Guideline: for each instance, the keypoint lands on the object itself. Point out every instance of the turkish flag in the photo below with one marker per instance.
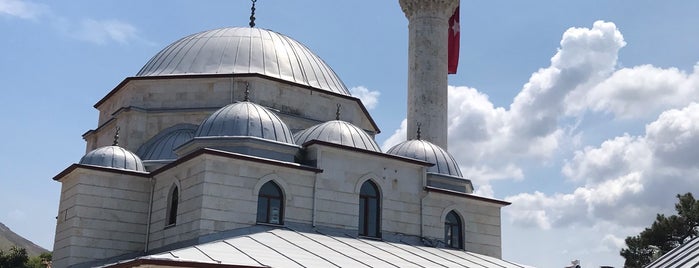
(454, 36)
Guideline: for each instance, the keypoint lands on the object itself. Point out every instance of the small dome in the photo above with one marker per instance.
(161, 146)
(339, 132)
(113, 157)
(426, 151)
(244, 50)
(245, 119)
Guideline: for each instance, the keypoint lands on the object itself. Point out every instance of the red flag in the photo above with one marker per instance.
(454, 36)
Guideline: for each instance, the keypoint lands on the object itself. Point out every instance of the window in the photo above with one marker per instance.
(452, 231)
(369, 210)
(270, 204)
(174, 199)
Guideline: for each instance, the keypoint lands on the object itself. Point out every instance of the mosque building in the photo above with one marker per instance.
(239, 147)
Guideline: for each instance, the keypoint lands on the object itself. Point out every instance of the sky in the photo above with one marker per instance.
(583, 114)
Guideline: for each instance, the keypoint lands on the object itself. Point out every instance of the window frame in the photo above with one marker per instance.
(268, 204)
(365, 211)
(449, 228)
(173, 202)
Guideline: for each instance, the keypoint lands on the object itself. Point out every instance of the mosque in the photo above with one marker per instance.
(239, 147)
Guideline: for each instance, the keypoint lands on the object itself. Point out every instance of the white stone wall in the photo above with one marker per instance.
(189, 178)
(219, 194)
(402, 188)
(481, 220)
(101, 215)
(343, 174)
(166, 99)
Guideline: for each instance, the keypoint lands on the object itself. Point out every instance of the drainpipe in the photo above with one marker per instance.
(150, 212)
(315, 190)
(422, 200)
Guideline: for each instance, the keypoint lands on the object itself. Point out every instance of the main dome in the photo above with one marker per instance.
(244, 50)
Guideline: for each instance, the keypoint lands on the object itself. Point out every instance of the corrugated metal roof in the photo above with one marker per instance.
(290, 248)
(684, 256)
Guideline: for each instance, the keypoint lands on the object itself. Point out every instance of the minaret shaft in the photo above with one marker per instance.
(427, 67)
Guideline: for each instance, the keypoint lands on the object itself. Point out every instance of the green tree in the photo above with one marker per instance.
(39, 261)
(15, 258)
(665, 234)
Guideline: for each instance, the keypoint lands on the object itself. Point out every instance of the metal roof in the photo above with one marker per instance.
(290, 248)
(244, 50)
(339, 132)
(245, 119)
(684, 256)
(113, 157)
(162, 145)
(444, 162)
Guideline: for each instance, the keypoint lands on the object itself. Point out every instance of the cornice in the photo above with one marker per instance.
(431, 8)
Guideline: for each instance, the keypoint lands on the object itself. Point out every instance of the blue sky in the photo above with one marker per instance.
(582, 113)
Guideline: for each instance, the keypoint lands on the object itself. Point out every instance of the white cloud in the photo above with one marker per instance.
(615, 186)
(397, 137)
(627, 179)
(489, 142)
(369, 98)
(22, 9)
(103, 31)
(638, 92)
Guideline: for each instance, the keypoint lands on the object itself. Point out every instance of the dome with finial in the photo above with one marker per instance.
(245, 119)
(245, 50)
(339, 132)
(444, 163)
(113, 157)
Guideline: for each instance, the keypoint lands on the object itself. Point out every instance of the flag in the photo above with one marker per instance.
(454, 36)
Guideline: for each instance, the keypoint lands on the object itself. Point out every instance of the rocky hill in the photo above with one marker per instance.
(8, 238)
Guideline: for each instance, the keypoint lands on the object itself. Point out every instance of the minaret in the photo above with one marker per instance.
(428, 24)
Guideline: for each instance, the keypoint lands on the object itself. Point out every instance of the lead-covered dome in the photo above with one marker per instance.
(245, 119)
(244, 50)
(426, 151)
(162, 146)
(113, 157)
(339, 132)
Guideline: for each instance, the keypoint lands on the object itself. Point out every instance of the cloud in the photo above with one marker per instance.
(609, 189)
(397, 137)
(369, 98)
(491, 142)
(638, 92)
(103, 31)
(627, 179)
(22, 9)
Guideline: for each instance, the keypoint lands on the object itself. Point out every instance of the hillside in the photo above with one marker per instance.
(8, 238)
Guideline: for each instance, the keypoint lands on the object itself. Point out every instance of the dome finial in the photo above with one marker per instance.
(418, 130)
(247, 92)
(116, 137)
(337, 113)
(252, 14)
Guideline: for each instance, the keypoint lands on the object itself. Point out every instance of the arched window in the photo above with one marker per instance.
(369, 210)
(453, 231)
(270, 204)
(173, 201)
